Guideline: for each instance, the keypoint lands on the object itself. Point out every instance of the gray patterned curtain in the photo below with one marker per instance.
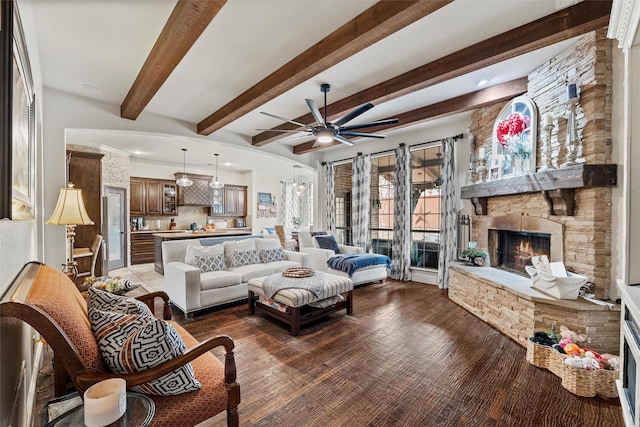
(289, 206)
(330, 196)
(447, 214)
(306, 206)
(401, 249)
(360, 203)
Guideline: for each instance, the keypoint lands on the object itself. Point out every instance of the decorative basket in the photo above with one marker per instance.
(579, 381)
(556, 363)
(298, 272)
(538, 354)
(606, 383)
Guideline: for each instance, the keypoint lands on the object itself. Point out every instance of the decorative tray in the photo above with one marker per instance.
(298, 272)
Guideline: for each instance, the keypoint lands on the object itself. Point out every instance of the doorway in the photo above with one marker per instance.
(116, 223)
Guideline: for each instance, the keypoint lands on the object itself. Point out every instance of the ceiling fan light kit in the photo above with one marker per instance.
(184, 181)
(326, 132)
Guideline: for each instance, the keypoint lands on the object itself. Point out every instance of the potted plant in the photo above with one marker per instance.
(474, 256)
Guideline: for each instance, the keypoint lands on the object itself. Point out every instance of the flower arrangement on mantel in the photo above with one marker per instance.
(512, 137)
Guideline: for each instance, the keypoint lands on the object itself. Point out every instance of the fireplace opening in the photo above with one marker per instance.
(512, 250)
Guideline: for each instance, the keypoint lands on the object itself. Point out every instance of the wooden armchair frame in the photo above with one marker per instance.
(69, 363)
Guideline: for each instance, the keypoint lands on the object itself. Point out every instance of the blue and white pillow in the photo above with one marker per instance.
(209, 263)
(271, 255)
(240, 258)
(328, 242)
(131, 343)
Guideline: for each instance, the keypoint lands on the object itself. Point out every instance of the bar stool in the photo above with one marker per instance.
(92, 252)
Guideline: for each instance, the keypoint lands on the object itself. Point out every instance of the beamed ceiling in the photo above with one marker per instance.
(218, 64)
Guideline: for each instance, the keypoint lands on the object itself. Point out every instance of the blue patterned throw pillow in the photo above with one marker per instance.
(328, 242)
(209, 263)
(241, 258)
(271, 255)
(131, 343)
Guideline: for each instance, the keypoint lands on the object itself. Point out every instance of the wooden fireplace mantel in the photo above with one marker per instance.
(557, 186)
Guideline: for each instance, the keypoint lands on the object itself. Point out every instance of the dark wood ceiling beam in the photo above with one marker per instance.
(562, 25)
(186, 23)
(459, 104)
(379, 21)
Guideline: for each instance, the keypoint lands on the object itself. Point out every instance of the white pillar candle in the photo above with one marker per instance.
(548, 120)
(105, 402)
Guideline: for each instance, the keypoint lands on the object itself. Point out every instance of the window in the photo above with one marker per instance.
(342, 175)
(382, 203)
(425, 206)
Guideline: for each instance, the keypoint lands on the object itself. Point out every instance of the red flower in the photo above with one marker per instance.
(513, 125)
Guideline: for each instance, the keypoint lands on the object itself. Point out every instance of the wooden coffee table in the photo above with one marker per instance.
(298, 312)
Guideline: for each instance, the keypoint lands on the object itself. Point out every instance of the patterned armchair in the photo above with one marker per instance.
(46, 299)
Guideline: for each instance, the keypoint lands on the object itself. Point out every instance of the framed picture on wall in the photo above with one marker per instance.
(264, 199)
(19, 116)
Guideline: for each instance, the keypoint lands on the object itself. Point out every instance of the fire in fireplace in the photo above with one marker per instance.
(512, 250)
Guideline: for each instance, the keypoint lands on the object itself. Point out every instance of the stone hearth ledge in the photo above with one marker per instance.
(507, 302)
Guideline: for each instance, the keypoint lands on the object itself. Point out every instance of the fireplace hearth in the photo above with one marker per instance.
(512, 250)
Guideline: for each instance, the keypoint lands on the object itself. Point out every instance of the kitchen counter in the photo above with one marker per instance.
(161, 236)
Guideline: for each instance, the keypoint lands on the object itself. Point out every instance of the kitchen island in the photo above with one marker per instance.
(160, 237)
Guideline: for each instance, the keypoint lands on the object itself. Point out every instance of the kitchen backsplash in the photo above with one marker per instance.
(186, 216)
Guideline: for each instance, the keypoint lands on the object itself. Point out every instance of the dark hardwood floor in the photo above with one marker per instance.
(407, 357)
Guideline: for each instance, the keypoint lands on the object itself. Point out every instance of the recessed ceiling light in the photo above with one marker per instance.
(137, 153)
(483, 81)
(90, 86)
(227, 164)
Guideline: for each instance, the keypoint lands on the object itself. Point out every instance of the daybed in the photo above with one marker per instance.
(319, 256)
(191, 288)
(47, 299)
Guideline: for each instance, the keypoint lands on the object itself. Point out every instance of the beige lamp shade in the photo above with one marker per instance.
(70, 208)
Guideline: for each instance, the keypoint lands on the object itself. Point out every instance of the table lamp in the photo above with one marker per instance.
(70, 211)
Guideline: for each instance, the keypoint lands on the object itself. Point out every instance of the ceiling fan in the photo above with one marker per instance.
(326, 132)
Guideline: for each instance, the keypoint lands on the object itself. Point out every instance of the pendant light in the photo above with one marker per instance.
(297, 179)
(184, 181)
(216, 183)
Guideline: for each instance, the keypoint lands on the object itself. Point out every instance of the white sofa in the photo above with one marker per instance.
(318, 260)
(191, 290)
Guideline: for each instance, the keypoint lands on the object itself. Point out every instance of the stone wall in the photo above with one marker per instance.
(587, 234)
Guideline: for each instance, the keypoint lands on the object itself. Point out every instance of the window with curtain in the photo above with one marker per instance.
(343, 173)
(382, 203)
(425, 205)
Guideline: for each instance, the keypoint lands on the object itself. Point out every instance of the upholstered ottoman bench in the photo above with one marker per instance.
(296, 306)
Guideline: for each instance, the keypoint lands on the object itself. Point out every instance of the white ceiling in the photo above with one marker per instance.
(89, 44)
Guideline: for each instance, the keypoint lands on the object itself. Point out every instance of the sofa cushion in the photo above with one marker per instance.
(132, 343)
(203, 251)
(271, 255)
(210, 263)
(219, 279)
(240, 258)
(305, 240)
(278, 266)
(106, 301)
(268, 243)
(249, 272)
(230, 246)
(328, 242)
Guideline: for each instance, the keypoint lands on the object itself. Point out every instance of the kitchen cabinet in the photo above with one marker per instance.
(217, 202)
(142, 247)
(235, 200)
(152, 197)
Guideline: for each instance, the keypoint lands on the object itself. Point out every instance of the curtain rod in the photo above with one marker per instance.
(455, 138)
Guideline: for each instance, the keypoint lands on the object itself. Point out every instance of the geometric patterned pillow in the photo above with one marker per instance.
(131, 343)
(270, 255)
(106, 301)
(209, 263)
(241, 258)
(328, 242)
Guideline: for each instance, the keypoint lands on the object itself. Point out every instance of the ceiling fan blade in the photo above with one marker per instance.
(368, 125)
(315, 112)
(282, 118)
(286, 130)
(352, 115)
(344, 140)
(365, 135)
